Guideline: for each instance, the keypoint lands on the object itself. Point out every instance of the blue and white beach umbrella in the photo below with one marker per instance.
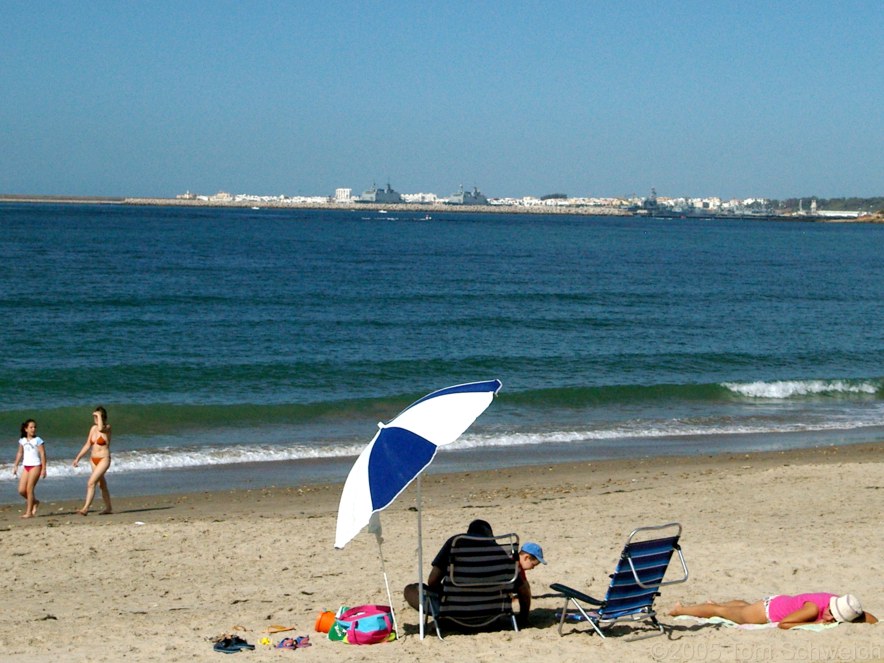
(403, 448)
(399, 452)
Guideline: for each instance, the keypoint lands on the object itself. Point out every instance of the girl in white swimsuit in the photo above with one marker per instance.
(32, 456)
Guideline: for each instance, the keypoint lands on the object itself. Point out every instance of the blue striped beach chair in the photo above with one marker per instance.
(634, 585)
(480, 582)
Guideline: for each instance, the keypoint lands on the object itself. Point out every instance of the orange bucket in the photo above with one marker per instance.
(325, 621)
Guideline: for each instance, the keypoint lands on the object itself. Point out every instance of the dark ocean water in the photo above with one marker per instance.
(247, 347)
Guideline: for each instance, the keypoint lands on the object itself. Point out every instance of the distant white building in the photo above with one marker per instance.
(419, 198)
(343, 196)
(308, 200)
(842, 214)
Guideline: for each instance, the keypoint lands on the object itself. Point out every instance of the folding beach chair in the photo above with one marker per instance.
(634, 585)
(480, 582)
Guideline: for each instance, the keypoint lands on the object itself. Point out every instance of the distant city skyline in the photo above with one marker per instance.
(641, 205)
(348, 194)
(694, 98)
(430, 197)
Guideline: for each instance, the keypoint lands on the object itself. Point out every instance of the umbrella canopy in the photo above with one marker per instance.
(403, 448)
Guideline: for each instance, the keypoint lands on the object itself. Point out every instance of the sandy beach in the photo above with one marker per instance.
(162, 576)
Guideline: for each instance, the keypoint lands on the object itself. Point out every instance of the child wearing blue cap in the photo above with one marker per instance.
(530, 556)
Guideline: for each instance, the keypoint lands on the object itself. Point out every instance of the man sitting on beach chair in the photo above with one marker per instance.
(439, 578)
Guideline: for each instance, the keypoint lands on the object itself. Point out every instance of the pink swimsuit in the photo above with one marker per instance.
(781, 606)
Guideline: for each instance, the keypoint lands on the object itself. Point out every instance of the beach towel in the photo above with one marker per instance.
(753, 627)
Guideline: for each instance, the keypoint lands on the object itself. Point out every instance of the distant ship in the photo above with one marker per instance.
(375, 195)
(474, 197)
(650, 206)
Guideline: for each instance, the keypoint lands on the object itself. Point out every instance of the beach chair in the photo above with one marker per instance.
(634, 585)
(479, 584)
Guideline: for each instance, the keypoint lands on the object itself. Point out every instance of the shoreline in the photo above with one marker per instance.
(422, 208)
(323, 496)
(333, 470)
(165, 575)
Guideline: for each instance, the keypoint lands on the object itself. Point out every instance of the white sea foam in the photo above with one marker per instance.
(673, 428)
(782, 389)
(170, 458)
(162, 458)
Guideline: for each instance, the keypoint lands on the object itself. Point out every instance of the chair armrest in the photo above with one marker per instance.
(574, 594)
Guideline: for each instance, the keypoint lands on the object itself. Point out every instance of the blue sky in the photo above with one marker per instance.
(775, 99)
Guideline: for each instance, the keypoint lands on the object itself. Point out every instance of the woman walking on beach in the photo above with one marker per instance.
(99, 442)
(32, 457)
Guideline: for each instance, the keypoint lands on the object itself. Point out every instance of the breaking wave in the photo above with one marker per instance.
(782, 389)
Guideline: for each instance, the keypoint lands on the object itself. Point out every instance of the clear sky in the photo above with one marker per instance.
(701, 98)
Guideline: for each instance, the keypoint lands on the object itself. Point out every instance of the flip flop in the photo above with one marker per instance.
(294, 643)
(239, 643)
(286, 643)
(226, 646)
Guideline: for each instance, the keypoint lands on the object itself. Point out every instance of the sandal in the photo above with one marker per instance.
(226, 646)
(287, 643)
(239, 643)
(294, 643)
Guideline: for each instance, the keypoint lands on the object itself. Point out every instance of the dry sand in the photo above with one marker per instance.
(162, 576)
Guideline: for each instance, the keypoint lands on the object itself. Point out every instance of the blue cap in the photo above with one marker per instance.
(534, 549)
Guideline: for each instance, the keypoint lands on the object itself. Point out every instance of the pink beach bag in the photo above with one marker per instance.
(366, 624)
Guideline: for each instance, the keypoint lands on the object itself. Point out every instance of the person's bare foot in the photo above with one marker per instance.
(26, 515)
(34, 509)
(106, 512)
(82, 512)
(676, 609)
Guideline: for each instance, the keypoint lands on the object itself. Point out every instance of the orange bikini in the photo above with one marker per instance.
(101, 442)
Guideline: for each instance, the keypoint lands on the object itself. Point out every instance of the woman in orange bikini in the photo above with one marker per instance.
(99, 442)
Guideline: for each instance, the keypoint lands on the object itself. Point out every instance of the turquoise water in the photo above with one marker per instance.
(240, 348)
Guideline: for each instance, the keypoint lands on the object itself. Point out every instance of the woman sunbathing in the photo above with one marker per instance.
(786, 611)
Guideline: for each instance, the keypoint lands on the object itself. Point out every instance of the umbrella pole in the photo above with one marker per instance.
(387, 584)
(420, 561)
